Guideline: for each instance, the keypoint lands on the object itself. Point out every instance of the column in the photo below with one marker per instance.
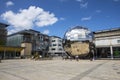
(15, 54)
(96, 56)
(4, 54)
(111, 51)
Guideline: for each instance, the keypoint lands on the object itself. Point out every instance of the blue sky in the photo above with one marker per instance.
(54, 17)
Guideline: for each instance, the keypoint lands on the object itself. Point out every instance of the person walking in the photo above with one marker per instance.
(77, 58)
(92, 55)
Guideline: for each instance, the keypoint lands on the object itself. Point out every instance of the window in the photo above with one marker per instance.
(60, 40)
(54, 44)
(53, 49)
(60, 49)
(118, 41)
(41, 38)
(59, 45)
(53, 40)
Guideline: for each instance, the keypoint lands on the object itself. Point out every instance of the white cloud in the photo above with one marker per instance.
(86, 18)
(12, 31)
(83, 3)
(9, 3)
(98, 11)
(79, 0)
(46, 32)
(28, 18)
(116, 0)
(62, 19)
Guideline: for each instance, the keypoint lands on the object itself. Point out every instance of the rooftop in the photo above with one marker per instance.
(107, 30)
(30, 31)
(3, 24)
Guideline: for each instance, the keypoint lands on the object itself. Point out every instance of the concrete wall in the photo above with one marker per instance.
(27, 50)
(107, 41)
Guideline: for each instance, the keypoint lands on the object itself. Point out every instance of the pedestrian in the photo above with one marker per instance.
(91, 55)
(77, 57)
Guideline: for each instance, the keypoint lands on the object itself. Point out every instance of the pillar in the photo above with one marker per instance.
(15, 54)
(4, 54)
(28, 49)
(111, 51)
(96, 56)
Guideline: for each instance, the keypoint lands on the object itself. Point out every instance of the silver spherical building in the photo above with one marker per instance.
(78, 33)
(78, 41)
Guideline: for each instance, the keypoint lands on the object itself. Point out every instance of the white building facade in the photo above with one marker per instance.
(108, 43)
(55, 46)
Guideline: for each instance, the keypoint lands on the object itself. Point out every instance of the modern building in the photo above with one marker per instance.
(32, 40)
(107, 43)
(55, 47)
(3, 33)
(7, 51)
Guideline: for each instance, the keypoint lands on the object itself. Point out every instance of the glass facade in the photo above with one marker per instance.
(40, 42)
(15, 40)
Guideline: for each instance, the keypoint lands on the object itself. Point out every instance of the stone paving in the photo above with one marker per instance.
(26, 69)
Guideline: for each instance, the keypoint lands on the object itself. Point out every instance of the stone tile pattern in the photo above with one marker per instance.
(26, 69)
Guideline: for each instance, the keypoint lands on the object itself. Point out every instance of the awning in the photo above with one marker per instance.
(11, 48)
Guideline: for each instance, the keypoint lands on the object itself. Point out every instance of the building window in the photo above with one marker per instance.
(60, 40)
(54, 44)
(53, 49)
(53, 40)
(41, 38)
(60, 49)
(59, 45)
(118, 41)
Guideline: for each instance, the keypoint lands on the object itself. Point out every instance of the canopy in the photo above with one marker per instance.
(11, 48)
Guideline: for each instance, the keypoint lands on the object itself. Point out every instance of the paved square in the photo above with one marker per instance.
(59, 70)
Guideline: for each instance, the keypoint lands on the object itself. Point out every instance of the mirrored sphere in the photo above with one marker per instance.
(78, 33)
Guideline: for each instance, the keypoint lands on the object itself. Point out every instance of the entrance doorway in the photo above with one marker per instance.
(104, 52)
